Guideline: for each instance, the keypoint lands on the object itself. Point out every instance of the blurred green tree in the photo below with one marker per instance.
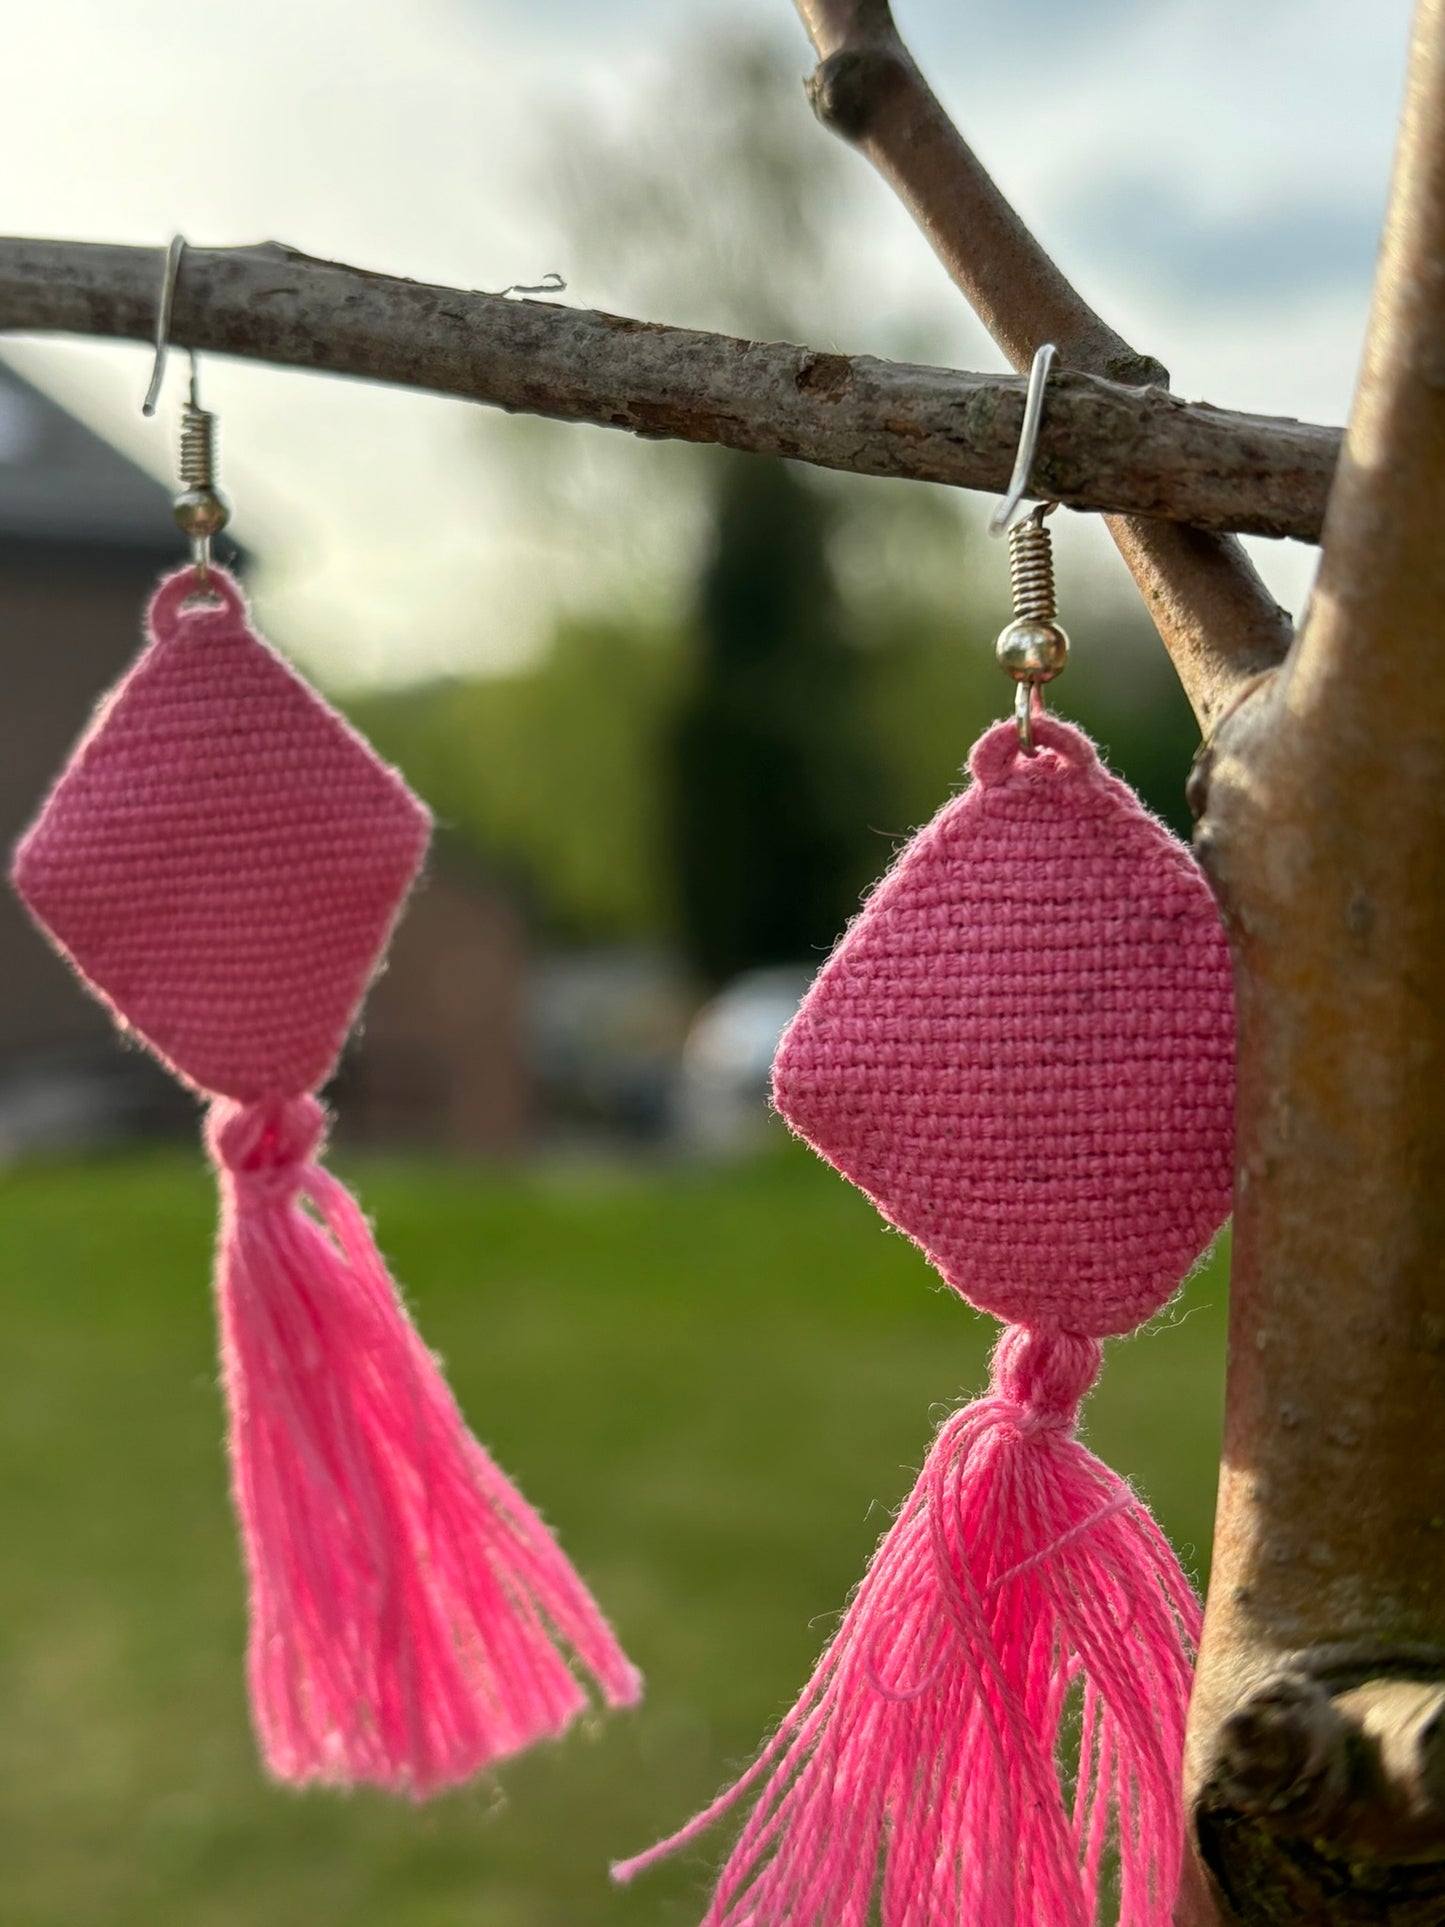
(551, 773)
(771, 782)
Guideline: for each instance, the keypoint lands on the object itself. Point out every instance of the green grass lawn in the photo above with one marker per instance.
(715, 1383)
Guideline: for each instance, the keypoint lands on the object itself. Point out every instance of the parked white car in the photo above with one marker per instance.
(728, 1057)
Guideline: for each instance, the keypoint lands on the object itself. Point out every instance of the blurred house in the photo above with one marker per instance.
(83, 535)
(442, 1055)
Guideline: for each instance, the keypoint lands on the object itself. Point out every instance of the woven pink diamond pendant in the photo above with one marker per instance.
(222, 862)
(224, 857)
(1022, 1051)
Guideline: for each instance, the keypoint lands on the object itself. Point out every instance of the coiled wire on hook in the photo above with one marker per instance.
(1031, 567)
(198, 447)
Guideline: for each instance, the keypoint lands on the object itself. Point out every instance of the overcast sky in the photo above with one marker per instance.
(1211, 171)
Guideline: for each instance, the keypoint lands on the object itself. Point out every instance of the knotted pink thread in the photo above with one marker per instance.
(264, 1147)
(1045, 1374)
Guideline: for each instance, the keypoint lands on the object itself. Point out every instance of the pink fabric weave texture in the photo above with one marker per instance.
(224, 857)
(223, 860)
(1023, 1049)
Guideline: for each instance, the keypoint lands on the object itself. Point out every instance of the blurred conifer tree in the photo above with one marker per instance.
(772, 782)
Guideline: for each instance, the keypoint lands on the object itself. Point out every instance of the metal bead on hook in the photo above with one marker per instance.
(200, 509)
(1033, 648)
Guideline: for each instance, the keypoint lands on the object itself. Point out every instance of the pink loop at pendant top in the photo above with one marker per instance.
(1023, 1048)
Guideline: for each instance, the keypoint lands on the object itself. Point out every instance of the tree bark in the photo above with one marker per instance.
(1318, 1727)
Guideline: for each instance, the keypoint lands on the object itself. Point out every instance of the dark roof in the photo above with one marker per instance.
(61, 482)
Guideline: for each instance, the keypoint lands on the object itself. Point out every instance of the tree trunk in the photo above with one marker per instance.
(1318, 1726)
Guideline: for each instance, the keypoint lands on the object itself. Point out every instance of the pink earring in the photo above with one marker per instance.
(1022, 1052)
(222, 861)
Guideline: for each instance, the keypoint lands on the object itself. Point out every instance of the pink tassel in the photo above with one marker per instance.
(405, 1597)
(920, 1779)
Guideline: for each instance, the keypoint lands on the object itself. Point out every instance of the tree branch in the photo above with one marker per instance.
(1218, 621)
(1104, 446)
(1325, 834)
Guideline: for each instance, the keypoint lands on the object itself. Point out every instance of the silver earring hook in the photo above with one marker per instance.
(1028, 447)
(201, 511)
(164, 307)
